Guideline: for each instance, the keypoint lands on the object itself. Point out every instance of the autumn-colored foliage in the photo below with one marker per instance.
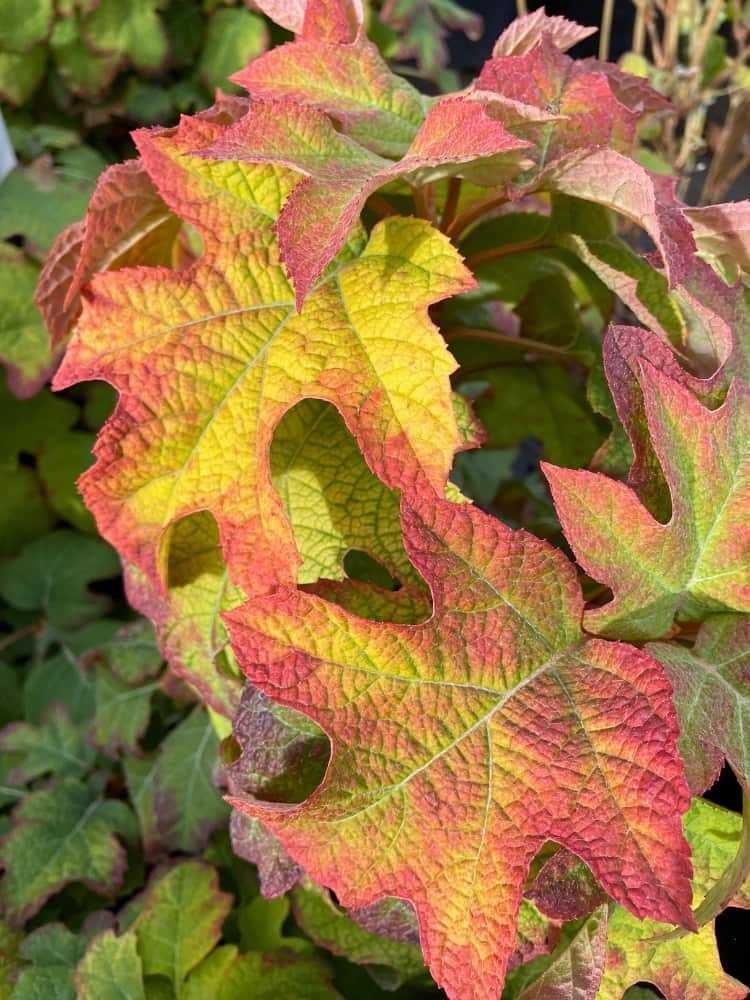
(298, 295)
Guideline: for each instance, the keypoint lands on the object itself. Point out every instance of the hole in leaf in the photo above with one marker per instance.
(361, 566)
(345, 521)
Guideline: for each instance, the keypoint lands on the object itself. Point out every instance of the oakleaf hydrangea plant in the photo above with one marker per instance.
(332, 311)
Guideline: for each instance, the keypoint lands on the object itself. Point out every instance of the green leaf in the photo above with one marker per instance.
(60, 464)
(233, 37)
(181, 921)
(10, 963)
(24, 23)
(134, 29)
(122, 712)
(24, 345)
(542, 401)
(225, 975)
(261, 923)
(60, 835)
(37, 202)
(52, 574)
(110, 969)
(84, 73)
(57, 746)
(140, 775)
(60, 678)
(188, 804)
(331, 928)
(20, 75)
(132, 653)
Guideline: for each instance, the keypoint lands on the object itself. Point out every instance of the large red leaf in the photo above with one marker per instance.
(461, 745)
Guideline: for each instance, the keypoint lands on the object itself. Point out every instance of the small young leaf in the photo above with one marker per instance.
(181, 920)
(52, 575)
(110, 969)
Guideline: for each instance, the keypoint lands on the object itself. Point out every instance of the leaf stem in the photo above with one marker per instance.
(476, 211)
(380, 206)
(21, 633)
(504, 251)
(451, 203)
(424, 202)
(730, 883)
(520, 343)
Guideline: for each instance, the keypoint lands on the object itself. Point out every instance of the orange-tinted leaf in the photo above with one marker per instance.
(208, 359)
(340, 174)
(695, 564)
(545, 78)
(352, 83)
(527, 31)
(461, 745)
(712, 696)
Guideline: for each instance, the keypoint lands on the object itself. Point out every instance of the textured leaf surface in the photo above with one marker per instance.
(60, 835)
(340, 174)
(688, 967)
(525, 32)
(697, 562)
(575, 969)
(565, 889)
(57, 746)
(352, 83)
(181, 921)
(247, 357)
(711, 685)
(334, 930)
(110, 969)
(588, 112)
(126, 223)
(431, 725)
(188, 805)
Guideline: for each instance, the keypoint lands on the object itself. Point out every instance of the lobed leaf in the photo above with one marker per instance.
(110, 969)
(432, 728)
(340, 174)
(248, 357)
(683, 967)
(181, 920)
(61, 834)
(696, 563)
(711, 685)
